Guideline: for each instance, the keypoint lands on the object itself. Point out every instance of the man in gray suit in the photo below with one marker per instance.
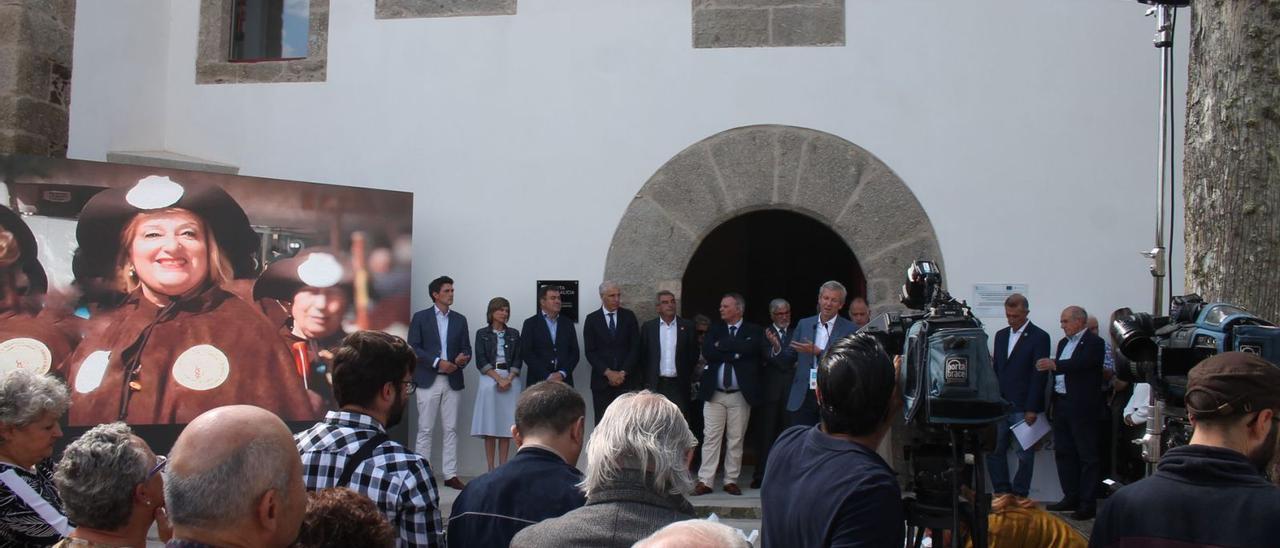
(813, 335)
(440, 338)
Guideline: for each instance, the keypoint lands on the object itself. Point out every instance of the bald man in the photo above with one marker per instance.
(234, 479)
(1076, 403)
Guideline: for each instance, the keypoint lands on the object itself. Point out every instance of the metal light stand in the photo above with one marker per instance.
(1163, 12)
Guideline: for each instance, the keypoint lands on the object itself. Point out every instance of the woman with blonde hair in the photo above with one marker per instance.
(180, 343)
(498, 358)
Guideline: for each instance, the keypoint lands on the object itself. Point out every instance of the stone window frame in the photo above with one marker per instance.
(213, 50)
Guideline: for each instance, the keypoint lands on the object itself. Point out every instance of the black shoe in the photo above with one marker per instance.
(755, 483)
(1084, 514)
(1063, 505)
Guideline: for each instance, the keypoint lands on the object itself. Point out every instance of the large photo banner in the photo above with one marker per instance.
(158, 294)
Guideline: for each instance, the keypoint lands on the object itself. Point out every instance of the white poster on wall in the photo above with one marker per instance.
(988, 299)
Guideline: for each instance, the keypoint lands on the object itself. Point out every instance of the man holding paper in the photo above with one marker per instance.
(1017, 348)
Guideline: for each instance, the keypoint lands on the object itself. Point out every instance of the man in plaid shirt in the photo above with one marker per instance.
(371, 382)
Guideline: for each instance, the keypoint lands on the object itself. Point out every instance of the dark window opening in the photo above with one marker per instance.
(766, 255)
(269, 30)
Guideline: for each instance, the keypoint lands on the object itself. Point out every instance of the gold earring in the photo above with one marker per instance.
(132, 274)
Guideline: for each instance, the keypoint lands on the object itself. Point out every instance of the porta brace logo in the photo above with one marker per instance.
(957, 370)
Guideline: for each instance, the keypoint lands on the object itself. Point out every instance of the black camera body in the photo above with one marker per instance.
(946, 375)
(1162, 350)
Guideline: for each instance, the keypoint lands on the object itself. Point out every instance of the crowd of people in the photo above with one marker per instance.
(823, 398)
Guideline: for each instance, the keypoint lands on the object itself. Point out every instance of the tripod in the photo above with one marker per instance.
(939, 509)
(1166, 18)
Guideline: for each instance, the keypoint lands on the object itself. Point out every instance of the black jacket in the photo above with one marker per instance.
(651, 352)
(617, 351)
(543, 356)
(534, 485)
(1199, 496)
(743, 352)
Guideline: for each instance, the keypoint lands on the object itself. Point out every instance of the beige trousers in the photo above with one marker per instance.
(725, 417)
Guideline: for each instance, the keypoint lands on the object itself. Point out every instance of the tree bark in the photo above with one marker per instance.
(1232, 170)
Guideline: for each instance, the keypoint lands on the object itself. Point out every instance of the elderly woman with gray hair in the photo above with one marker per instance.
(112, 488)
(30, 510)
(637, 475)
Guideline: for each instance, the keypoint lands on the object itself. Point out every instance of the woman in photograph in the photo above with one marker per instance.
(498, 358)
(29, 338)
(179, 343)
(31, 406)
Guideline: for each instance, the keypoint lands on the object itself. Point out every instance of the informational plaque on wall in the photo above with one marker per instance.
(568, 297)
(988, 299)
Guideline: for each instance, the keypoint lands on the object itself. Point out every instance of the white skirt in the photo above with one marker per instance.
(495, 411)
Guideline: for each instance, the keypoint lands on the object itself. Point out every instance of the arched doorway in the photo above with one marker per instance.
(816, 175)
(765, 255)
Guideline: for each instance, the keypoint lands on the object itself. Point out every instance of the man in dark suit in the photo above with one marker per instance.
(612, 339)
(813, 335)
(440, 338)
(669, 351)
(779, 368)
(549, 346)
(1017, 349)
(1076, 400)
(730, 387)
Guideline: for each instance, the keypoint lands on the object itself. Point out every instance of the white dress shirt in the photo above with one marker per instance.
(442, 327)
(1060, 379)
(1014, 336)
(667, 342)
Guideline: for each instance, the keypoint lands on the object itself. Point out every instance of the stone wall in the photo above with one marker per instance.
(767, 23)
(403, 9)
(35, 75)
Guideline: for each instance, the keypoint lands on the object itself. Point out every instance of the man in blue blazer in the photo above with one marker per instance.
(813, 335)
(1077, 374)
(730, 388)
(440, 338)
(611, 336)
(549, 346)
(1016, 351)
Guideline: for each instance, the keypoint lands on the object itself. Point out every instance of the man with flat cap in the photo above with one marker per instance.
(234, 478)
(1211, 492)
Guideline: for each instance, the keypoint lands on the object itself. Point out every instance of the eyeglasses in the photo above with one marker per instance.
(161, 460)
(409, 387)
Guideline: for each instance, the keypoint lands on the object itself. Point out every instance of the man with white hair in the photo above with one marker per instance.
(695, 532)
(637, 473)
(611, 339)
(234, 478)
(812, 337)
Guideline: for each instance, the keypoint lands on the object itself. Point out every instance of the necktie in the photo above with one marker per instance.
(613, 328)
(728, 371)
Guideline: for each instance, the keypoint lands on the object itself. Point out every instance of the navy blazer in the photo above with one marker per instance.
(651, 352)
(807, 331)
(779, 368)
(543, 356)
(1020, 383)
(1083, 373)
(424, 337)
(618, 350)
(534, 485)
(743, 353)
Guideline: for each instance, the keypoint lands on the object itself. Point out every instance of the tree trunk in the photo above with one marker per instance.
(1232, 169)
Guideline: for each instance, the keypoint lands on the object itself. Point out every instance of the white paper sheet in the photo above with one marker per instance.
(1028, 435)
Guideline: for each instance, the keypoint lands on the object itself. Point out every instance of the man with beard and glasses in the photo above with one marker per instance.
(1213, 491)
(372, 381)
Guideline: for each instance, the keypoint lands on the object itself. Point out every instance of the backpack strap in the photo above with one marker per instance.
(361, 455)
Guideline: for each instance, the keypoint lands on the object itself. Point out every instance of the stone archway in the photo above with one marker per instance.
(769, 167)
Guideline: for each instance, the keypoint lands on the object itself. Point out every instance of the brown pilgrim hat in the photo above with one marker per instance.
(30, 262)
(315, 267)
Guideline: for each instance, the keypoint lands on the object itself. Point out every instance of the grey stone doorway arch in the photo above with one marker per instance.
(760, 167)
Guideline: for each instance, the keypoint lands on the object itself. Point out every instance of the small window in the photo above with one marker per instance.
(269, 30)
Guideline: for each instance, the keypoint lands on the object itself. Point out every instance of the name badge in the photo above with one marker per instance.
(813, 378)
